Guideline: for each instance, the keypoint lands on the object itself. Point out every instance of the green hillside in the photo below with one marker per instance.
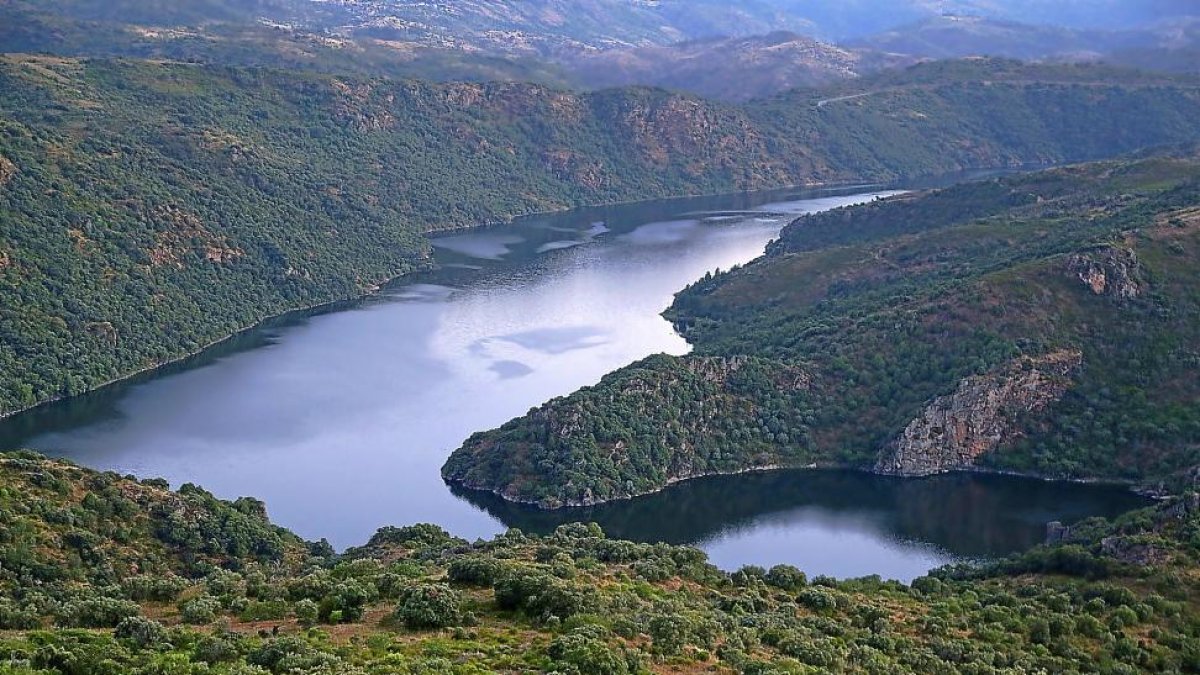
(1044, 323)
(105, 574)
(148, 209)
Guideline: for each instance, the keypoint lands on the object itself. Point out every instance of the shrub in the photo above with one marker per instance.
(541, 596)
(141, 632)
(475, 571)
(817, 599)
(270, 610)
(225, 584)
(200, 610)
(669, 633)
(582, 652)
(15, 617)
(150, 587)
(786, 577)
(213, 649)
(98, 612)
(346, 602)
(307, 612)
(430, 606)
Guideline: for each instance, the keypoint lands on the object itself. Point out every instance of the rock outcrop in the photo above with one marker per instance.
(7, 170)
(1108, 270)
(956, 429)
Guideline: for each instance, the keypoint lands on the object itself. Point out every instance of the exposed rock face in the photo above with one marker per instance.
(7, 170)
(958, 428)
(183, 232)
(1056, 532)
(1108, 270)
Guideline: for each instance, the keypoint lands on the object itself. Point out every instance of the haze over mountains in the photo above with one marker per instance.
(733, 51)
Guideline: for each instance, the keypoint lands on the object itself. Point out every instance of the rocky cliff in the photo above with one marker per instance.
(978, 417)
(1108, 270)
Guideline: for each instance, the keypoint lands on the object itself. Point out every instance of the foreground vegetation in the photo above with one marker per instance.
(148, 208)
(1044, 323)
(106, 574)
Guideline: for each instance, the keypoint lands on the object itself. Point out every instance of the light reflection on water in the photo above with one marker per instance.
(340, 421)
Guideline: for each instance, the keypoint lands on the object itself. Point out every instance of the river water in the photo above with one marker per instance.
(340, 420)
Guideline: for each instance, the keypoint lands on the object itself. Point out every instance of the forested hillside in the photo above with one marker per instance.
(1045, 323)
(151, 208)
(105, 574)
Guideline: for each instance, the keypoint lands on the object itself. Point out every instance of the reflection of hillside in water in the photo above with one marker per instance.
(966, 515)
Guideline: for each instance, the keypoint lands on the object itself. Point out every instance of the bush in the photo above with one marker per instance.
(430, 606)
(669, 633)
(98, 612)
(475, 571)
(270, 610)
(15, 617)
(307, 612)
(225, 584)
(542, 596)
(346, 603)
(817, 599)
(157, 588)
(786, 577)
(141, 632)
(584, 653)
(213, 649)
(200, 610)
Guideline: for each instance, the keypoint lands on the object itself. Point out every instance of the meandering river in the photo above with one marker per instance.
(341, 420)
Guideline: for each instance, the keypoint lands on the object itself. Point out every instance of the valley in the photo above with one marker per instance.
(985, 325)
(599, 337)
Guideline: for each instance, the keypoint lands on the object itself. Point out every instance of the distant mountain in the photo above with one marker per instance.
(732, 51)
(729, 68)
(547, 27)
(1170, 45)
(958, 36)
(230, 33)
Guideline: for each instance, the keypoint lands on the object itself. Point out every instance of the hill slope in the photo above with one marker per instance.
(728, 68)
(151, 208)
(1043, 323)
(106, 574)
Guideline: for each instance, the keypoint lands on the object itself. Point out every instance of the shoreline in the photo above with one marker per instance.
(1131, 486)
(429, 235)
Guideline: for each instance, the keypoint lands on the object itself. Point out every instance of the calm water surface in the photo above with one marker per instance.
(341, 421)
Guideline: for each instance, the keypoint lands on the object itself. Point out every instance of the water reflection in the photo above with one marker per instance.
(840, 523)
(341, 418)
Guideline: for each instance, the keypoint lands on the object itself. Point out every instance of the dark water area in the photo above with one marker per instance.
(841, 523)
(341, 418)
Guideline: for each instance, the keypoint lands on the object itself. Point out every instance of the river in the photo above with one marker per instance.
(341, 419)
